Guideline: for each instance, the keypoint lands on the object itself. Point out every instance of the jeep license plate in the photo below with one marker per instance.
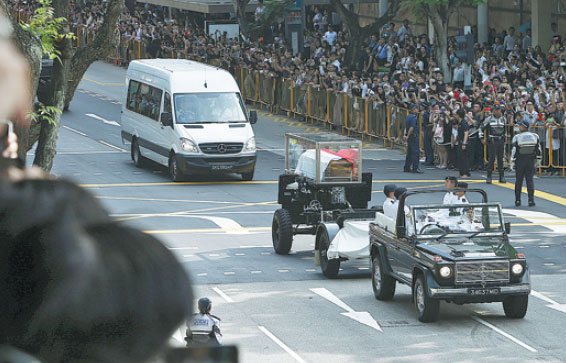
(483, 292)
(221, 166)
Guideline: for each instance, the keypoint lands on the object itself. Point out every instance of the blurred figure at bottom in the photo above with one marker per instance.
(203, 328)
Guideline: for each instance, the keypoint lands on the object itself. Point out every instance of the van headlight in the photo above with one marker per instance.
(517, 268)
(250, 145)
(188, 146)
(445, 272)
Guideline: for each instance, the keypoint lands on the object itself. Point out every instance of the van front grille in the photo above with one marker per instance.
(221, 148)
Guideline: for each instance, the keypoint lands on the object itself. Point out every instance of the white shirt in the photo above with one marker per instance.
(330, 37)
(449, 198)
(390, 208)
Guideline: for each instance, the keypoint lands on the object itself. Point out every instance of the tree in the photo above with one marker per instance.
(357, 33)
(30, 46)
(240, 9)
(439, 12)
(68, 69)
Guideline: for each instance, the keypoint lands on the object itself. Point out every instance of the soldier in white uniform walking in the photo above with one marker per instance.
(526, 149)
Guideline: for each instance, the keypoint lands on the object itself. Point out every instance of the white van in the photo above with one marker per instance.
(187, 116)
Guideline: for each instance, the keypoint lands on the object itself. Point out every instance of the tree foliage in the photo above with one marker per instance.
(274, 12)
(47, 28)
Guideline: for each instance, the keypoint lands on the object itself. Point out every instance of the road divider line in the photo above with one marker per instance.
(103, 84)
(75, 131)
(264, 246)
(112, 146)
(208, 230)
(170, 200)
(538, 193)
(506, 335)
(281, 344)
(552, 304)
(227, 298)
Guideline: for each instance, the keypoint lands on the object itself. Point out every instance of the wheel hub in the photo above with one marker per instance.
(420, 297)
(377, 276)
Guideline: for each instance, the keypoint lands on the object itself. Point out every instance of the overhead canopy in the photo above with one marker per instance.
(226, 6)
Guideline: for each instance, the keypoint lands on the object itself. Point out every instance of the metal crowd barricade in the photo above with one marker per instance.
(556, 148)
(338, 109)
(355, 120)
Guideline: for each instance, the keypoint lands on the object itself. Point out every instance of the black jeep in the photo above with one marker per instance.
(458, 253)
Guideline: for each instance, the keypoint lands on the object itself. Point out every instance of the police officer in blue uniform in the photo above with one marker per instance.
(526, 149)
(412, 138)
(203, 328)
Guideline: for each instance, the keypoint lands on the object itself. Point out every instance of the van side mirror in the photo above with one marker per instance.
(167, 119)
(507, 227)
(253, 117)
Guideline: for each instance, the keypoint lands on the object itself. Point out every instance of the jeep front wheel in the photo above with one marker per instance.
(515, 307)
(427, 308)
(383, 284)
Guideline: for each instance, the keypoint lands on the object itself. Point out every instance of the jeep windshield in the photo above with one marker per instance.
(440, 221)
(209, 107)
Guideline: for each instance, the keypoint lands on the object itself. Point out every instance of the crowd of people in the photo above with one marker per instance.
(396, 68)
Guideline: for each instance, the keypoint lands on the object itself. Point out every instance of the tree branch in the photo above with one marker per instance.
(107, 38)
(391, 12)
(348, 17)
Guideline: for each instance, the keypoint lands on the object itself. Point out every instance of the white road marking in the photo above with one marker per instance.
(282, 270)
(183, 248)
(188, 255)
(228, 273)
(310, 270)
(362, 317)
(202, 274)
(112, 146)
(281, 344)
(506, 335)
(75, 131)
(552, 304)
(240, 254)
(256, 272)
(223, 295)
(264, 246)
(108, 122)
(539, 218)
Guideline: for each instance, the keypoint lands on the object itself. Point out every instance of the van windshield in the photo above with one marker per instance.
(216, 107)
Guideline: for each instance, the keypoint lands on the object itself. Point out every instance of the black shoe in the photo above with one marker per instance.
(531, 203)
(488, 180)
(502, 180)
(417, 171)
(517, 203)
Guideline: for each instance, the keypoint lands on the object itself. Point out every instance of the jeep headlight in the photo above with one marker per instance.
(445, 272)
(250, 145)
(188, 146)
(517, 268)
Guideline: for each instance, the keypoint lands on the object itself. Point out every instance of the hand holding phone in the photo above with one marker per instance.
(6, 132)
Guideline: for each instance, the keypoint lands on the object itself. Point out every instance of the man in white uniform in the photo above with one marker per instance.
(390, 204)
(450, 182)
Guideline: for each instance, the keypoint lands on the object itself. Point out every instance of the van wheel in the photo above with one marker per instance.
(248, 176)
(137, 157)
(174, 172)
